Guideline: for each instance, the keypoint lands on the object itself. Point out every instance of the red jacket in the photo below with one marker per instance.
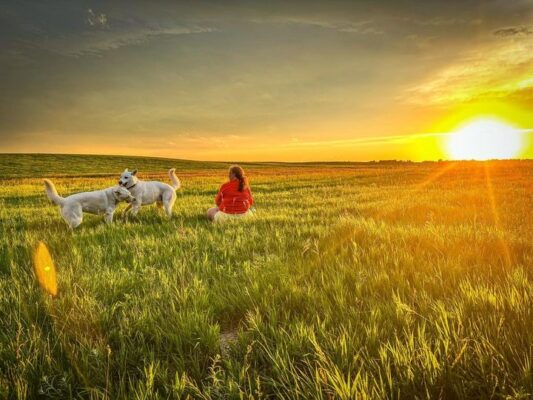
(231, 201)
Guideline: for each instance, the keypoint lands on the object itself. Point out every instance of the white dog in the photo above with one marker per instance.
(148, 192)
(97, 202)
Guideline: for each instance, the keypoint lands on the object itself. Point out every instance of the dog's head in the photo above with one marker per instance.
(122, 194)
(128, 179)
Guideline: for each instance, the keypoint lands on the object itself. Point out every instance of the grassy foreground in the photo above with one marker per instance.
(352, 281)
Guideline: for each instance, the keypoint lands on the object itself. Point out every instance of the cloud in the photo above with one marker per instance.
(489, 72)
(361, 27)
(514, 31)
(362, 141)
(99, 41)
(75, 31)
(368, 25)
(96, 20)
(441, 21)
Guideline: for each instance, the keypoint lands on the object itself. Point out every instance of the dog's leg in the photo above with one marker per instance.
(169, 203)
(75, 222)
(108, 216)
(73, 215)
(168, 209)
(134, 210)
(75, 219)
(127, 210)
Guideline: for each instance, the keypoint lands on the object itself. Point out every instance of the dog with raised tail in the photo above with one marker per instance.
(98, 202)
(149, 192)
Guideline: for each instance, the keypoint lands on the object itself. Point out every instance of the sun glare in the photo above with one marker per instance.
(484, 139)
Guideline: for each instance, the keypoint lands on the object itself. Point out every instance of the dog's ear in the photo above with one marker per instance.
(126, 170)
(134, 172)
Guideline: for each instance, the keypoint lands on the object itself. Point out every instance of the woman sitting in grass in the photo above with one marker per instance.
(234, 198)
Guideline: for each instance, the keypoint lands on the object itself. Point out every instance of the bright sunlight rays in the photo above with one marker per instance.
(484, 139)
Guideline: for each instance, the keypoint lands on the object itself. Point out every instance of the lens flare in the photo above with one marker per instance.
(484, 139)
(45, 269)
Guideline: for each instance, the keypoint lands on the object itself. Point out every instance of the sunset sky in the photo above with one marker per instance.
(261, 80)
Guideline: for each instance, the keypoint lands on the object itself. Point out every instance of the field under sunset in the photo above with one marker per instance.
(327, 199)
(369, 280)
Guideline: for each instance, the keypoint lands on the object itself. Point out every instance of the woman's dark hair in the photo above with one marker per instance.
(238, 172)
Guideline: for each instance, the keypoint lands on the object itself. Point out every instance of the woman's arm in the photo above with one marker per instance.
(250, 197)
(218, 198)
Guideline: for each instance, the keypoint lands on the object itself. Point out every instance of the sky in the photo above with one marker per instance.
(261, 80)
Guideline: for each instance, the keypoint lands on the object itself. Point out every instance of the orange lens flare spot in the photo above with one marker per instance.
(45, 269)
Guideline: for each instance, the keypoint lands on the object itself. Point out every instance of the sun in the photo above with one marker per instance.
(484, 139)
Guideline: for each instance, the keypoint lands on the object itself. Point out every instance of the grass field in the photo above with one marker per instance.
(353, 281)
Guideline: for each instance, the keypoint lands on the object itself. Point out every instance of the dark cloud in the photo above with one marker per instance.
(512, 31)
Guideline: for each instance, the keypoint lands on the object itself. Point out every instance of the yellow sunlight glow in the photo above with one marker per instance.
(45, 269)
(484, 139)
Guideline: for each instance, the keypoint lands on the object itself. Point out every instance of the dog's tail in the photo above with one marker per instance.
(176, 184)
(51, 192)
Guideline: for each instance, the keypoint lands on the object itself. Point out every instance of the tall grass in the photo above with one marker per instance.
(364, 281)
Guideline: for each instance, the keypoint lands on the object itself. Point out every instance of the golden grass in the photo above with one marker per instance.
(393, 281)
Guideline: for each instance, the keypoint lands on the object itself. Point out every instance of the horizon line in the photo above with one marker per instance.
(374, 161)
